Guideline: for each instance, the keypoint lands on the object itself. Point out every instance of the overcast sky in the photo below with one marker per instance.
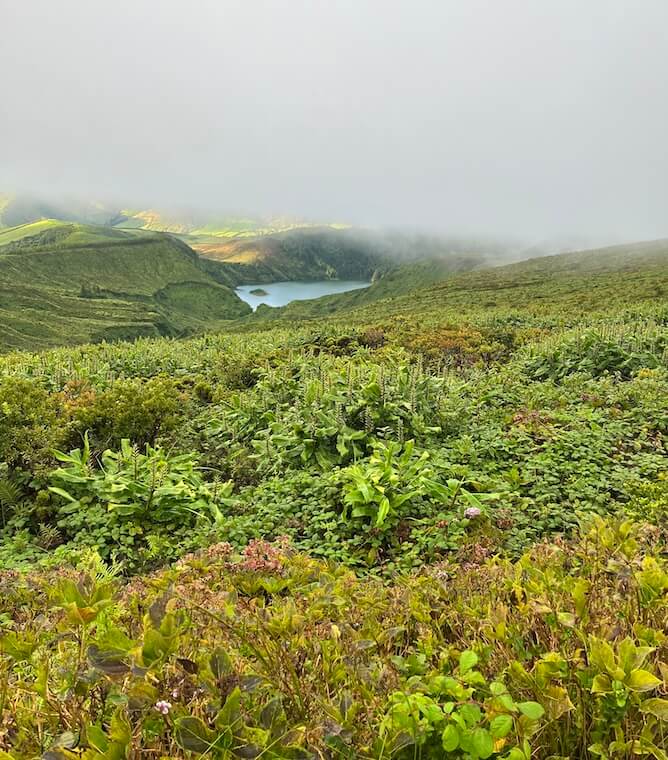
(527, 117)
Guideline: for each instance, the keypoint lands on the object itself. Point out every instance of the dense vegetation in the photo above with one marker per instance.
(67, 283)
(429, 525)
(64, 283)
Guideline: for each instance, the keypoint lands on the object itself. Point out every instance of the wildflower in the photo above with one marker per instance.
(472, 512)
(163, 707)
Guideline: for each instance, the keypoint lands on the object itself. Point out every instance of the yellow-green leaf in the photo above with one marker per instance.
(450, 738)
(642, 680)
(657, 707)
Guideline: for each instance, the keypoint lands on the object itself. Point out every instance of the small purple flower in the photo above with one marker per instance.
(163, 706)
(472, 512)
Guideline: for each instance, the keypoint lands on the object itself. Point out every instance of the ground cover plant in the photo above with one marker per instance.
(267, 653)
(428, 527)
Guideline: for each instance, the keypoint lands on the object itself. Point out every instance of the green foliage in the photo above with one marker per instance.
(618, 351)
(461, 714)
(320, 414)
(29, 427)
(124, 505)
(271, 653)
(134, 409)
(394, 476)
(181, 584)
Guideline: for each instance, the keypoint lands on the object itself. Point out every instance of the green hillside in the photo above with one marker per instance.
(424, 521)
(395, 262)
(63, 283)
(317, 254)
(454, 287)
(390, 281)
(244, 250)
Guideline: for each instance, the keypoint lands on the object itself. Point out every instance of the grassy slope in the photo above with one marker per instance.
(152, 284)
(20, 232)
(406, 278)
(580, 282)
(146, 284)
(297, 255)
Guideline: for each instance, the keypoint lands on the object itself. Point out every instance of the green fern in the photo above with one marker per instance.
(10, 496)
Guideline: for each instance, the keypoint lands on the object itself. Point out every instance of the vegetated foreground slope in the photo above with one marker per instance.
(430, 526)
(66, 283)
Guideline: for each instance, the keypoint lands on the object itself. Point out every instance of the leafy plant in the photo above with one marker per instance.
(462, 715)
(395, 476)
(131, 495)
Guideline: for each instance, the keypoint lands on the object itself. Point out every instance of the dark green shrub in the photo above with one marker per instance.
(600, 352)
(134, 409)
(30, 426)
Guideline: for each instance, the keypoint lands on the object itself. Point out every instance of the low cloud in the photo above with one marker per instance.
(492, 117)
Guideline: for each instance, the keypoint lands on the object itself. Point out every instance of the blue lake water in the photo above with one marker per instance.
(281, 293)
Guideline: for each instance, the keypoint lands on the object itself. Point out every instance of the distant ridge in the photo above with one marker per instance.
(16, 210)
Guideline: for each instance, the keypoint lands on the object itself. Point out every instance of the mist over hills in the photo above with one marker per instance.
(228, 236)
(77, 271)
(17, 209)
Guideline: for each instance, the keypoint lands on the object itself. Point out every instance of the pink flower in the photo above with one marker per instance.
(472, 512)
(163, 706)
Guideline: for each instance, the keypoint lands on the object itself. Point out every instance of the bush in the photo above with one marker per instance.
(620, 351)
(134, 501)
(30, 425)
(272, 654)
(134, 409)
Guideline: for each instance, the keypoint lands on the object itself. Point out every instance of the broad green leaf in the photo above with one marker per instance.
(501, 726)
(656, 707)
(383, 511)
(62, 492)
(515, 754)
(532, 710)
(566, 619)
(192, 735)
(601, 684)
(96, 738)
(642, 680)
(467, 660)
(483, 742)
(450, 738)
